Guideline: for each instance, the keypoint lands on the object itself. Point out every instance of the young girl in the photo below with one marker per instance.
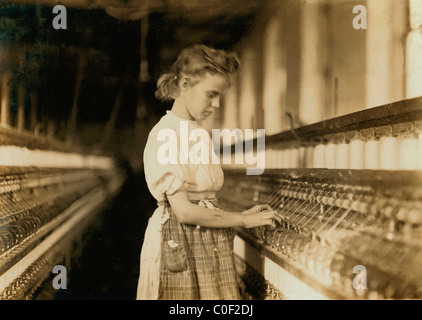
(188, 246)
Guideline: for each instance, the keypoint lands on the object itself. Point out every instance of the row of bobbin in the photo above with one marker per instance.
(375, 149)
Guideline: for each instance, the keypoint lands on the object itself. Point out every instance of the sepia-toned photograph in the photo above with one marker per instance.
(241, 150)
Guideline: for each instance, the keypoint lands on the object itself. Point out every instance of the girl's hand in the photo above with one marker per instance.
(259, 218)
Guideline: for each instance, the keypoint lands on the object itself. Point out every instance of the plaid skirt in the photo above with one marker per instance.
(196, 262)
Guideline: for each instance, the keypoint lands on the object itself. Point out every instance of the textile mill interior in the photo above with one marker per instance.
(336, 85)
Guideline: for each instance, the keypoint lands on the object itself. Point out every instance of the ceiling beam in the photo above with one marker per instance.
(132, 10)
(83, 4)
(138, 9)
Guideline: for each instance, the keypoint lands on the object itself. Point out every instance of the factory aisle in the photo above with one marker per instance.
(107, 267)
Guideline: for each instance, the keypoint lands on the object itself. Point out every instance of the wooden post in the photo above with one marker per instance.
(109, 127)
(72, 123)
(385, 52)
(5, 99)
(33, 117)
(414, 51)
(312, 74)
(275, 78)
(247, 87)
(230, 119)
(143, 69)
(21, 107)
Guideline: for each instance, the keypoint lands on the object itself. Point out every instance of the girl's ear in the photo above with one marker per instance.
(184, 83)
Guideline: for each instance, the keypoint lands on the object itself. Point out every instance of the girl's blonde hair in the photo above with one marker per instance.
(196, 60)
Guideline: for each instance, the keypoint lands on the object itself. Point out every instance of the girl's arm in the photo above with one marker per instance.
(190, 213)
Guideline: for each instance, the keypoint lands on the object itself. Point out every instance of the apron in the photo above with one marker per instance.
(192, 262)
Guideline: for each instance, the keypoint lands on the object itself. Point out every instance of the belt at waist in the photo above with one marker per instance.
(195, 197)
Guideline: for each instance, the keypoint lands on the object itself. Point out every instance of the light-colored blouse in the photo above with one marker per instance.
(168, 178)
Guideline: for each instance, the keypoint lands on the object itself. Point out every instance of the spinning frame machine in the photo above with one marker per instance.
(348, 196)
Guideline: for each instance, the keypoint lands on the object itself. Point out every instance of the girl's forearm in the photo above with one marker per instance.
(189, 213)
(197, 215)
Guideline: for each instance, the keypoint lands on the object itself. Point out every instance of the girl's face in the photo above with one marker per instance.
(203, 96)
